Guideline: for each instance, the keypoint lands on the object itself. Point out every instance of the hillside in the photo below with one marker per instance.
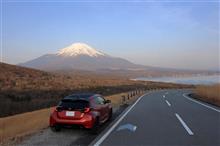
(13, 77)
(24, 89)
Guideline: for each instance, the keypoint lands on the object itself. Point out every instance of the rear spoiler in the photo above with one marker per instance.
(75, 99)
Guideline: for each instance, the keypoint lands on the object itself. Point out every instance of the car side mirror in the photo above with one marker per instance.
(107, 101)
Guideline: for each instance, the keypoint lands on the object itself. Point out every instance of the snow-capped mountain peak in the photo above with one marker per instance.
(79, 49)
(79, 56)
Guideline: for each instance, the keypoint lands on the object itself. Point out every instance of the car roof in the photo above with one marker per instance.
(79, 96)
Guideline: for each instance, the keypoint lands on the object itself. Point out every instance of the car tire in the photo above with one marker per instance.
(95, 128)
(55, 128)
(110, 115)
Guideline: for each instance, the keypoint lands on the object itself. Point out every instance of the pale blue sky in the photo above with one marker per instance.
(167, 34)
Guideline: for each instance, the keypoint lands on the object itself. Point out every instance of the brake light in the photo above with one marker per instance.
(87, 109)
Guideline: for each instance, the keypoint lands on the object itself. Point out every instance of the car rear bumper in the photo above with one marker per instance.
(87, 121)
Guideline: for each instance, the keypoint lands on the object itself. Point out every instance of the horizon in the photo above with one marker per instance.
(162, 34)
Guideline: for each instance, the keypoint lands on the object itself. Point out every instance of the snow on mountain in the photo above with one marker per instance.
(79, 49)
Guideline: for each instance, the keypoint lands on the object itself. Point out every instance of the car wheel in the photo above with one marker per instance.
(110, 115)
(95, 127)
(55, 128)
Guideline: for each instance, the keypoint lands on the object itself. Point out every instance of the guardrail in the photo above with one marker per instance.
(130, 96)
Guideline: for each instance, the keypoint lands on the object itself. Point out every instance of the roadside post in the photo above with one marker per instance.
(123, 99)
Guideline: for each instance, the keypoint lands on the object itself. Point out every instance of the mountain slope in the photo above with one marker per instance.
(79, 56)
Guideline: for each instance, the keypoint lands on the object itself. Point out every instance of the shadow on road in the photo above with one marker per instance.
(89, 137)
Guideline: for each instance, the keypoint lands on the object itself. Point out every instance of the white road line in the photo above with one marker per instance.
(119, 120)
(201, 103)
(184, 124)
(168, 103)
(164, 96)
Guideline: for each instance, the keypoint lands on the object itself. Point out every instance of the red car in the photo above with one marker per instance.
(86, 110)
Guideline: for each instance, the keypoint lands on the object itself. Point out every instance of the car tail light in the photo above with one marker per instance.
(87, 109)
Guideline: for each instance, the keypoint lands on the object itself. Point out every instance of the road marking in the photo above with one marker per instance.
(168, 103)
(187, 97)
(164, 96)
(130, 127)
(166, 93)
(184, 124)
(119, 120)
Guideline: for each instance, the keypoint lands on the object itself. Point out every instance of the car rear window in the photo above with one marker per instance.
(73, 104)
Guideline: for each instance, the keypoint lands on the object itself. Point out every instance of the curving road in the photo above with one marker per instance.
(167, 118)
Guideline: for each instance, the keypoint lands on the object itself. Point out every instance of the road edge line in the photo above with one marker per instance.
(198, 102)
(118, 121)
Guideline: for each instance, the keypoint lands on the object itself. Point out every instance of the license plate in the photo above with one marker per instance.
(70, 114)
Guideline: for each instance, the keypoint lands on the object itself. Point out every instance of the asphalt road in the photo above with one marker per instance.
(165, 118)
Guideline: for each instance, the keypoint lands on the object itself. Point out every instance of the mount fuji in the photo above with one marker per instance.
(80, 56)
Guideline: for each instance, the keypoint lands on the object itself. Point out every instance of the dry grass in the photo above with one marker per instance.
(209, 93)
(116, 99)
(24, 124)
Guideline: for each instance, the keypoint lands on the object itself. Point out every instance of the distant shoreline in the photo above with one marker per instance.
(194, 79)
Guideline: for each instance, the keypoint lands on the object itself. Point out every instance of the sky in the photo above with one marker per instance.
(174, 34)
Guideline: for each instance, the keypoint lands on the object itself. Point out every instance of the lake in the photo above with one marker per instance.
(195, 80)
